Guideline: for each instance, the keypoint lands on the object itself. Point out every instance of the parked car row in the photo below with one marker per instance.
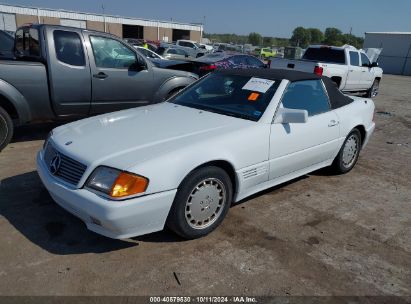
(66, 73)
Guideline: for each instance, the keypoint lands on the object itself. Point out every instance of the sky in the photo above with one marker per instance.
(275, 18)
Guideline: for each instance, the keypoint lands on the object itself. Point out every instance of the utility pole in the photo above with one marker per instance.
(104, 18)
(202, 29)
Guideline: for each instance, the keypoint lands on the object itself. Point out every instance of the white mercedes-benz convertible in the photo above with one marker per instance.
(182, 163)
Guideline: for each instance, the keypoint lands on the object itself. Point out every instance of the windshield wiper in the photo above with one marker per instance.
(238, 115)
(219, 111)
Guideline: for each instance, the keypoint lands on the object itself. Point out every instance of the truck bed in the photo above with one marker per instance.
(24, 78)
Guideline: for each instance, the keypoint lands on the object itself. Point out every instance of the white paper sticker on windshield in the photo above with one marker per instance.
(258, 85)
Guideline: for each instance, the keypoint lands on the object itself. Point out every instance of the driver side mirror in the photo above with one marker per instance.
(374, 65)
(285, 116)
(138, 66)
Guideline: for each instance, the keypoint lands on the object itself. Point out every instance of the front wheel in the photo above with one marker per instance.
(6, 128)
(349, 153)
(201, 203)
(373, 91)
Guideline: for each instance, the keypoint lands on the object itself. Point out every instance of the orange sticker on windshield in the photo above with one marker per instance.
(253, 96)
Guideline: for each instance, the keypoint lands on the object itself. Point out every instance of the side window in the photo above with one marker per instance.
(186, 44)
(27, 42)
(364, 60)
(69, 48)
(306, 95)
(7, 42)
(238, 60)
(19, 41)
(145, 53)
(252, 61)
(180, 52)
(110, 53)
(172, 51)
(34, 44)
(354, 58)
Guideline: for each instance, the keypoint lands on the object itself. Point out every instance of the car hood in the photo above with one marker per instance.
(121, 139)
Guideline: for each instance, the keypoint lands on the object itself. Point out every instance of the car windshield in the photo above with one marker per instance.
(239, 96)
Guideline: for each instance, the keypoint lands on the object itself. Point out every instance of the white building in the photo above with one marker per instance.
(396, 54)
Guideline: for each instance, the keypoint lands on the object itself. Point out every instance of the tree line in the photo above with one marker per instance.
(253, 38)
(301, 37)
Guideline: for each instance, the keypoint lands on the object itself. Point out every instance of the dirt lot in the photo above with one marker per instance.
(318, 235)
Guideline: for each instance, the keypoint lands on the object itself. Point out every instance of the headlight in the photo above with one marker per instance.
(116, 183)
(47, 138)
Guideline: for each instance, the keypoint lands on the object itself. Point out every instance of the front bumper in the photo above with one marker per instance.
(114, 219)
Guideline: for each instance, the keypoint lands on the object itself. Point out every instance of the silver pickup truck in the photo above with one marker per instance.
(65, 73)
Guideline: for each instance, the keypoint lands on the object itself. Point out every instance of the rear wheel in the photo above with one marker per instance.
(6, 128)
(373, 91)
(201, 203)
(349, 153)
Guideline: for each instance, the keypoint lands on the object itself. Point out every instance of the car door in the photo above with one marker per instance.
(296, 146)
(120, 78)
(68, 70)
(367, 77)
(354, 72)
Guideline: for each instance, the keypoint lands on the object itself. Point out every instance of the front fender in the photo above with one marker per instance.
(17, 99)
(172, 84)
(167, 167)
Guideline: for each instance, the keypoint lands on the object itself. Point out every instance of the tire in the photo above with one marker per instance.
(348, 155)
(373, 91)
(6, 128)
(201, 203)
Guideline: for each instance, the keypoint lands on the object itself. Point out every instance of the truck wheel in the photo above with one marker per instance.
(373, 91)
(349, 153)
(6, 128)
(201, 203)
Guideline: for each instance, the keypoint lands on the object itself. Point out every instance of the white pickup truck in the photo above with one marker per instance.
(349, 68)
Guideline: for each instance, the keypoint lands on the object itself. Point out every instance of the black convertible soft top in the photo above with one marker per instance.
(337, 99)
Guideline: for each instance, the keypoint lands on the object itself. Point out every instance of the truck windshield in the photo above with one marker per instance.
(325, 55)
(239, 96)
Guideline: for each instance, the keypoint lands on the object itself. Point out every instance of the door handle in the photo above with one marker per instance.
(351, 70)
(333, 123)
(100, 75)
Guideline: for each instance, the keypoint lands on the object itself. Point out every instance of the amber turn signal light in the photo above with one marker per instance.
(128, 184)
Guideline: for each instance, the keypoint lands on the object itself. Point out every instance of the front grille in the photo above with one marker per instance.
(70, 170)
